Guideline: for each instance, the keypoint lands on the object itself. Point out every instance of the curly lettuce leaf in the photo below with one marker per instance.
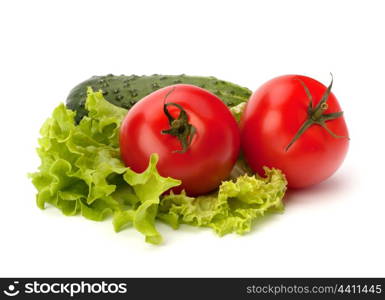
(237, 111)
(232, 209)
(81, 171)
(148, 187)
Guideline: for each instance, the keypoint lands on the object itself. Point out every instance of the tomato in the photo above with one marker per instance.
(285, 125)
(192, 131)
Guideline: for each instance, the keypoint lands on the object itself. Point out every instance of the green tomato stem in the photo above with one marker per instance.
(316, 115)
(179, 127)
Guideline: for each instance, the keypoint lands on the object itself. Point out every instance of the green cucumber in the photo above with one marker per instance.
(124, 91)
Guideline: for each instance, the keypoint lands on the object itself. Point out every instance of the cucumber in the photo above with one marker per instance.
(124, 91)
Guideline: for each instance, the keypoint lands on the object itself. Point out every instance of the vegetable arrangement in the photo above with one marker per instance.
(175, 155)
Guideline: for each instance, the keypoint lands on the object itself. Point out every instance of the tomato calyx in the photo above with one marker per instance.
(316, 115)
(179, 127)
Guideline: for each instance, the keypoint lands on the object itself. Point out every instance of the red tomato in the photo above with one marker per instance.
(194, 134)
(282, 128)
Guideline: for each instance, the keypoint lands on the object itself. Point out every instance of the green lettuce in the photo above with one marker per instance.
(233, 208)
(81, 173)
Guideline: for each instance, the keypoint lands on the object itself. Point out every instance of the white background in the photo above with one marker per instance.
(333, 229)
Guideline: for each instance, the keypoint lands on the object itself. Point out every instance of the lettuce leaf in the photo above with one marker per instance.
(233, 208)
(81, 173)
(237, 111)
(148, 186)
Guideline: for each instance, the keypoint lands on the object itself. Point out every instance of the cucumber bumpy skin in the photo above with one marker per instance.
(124, 91)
